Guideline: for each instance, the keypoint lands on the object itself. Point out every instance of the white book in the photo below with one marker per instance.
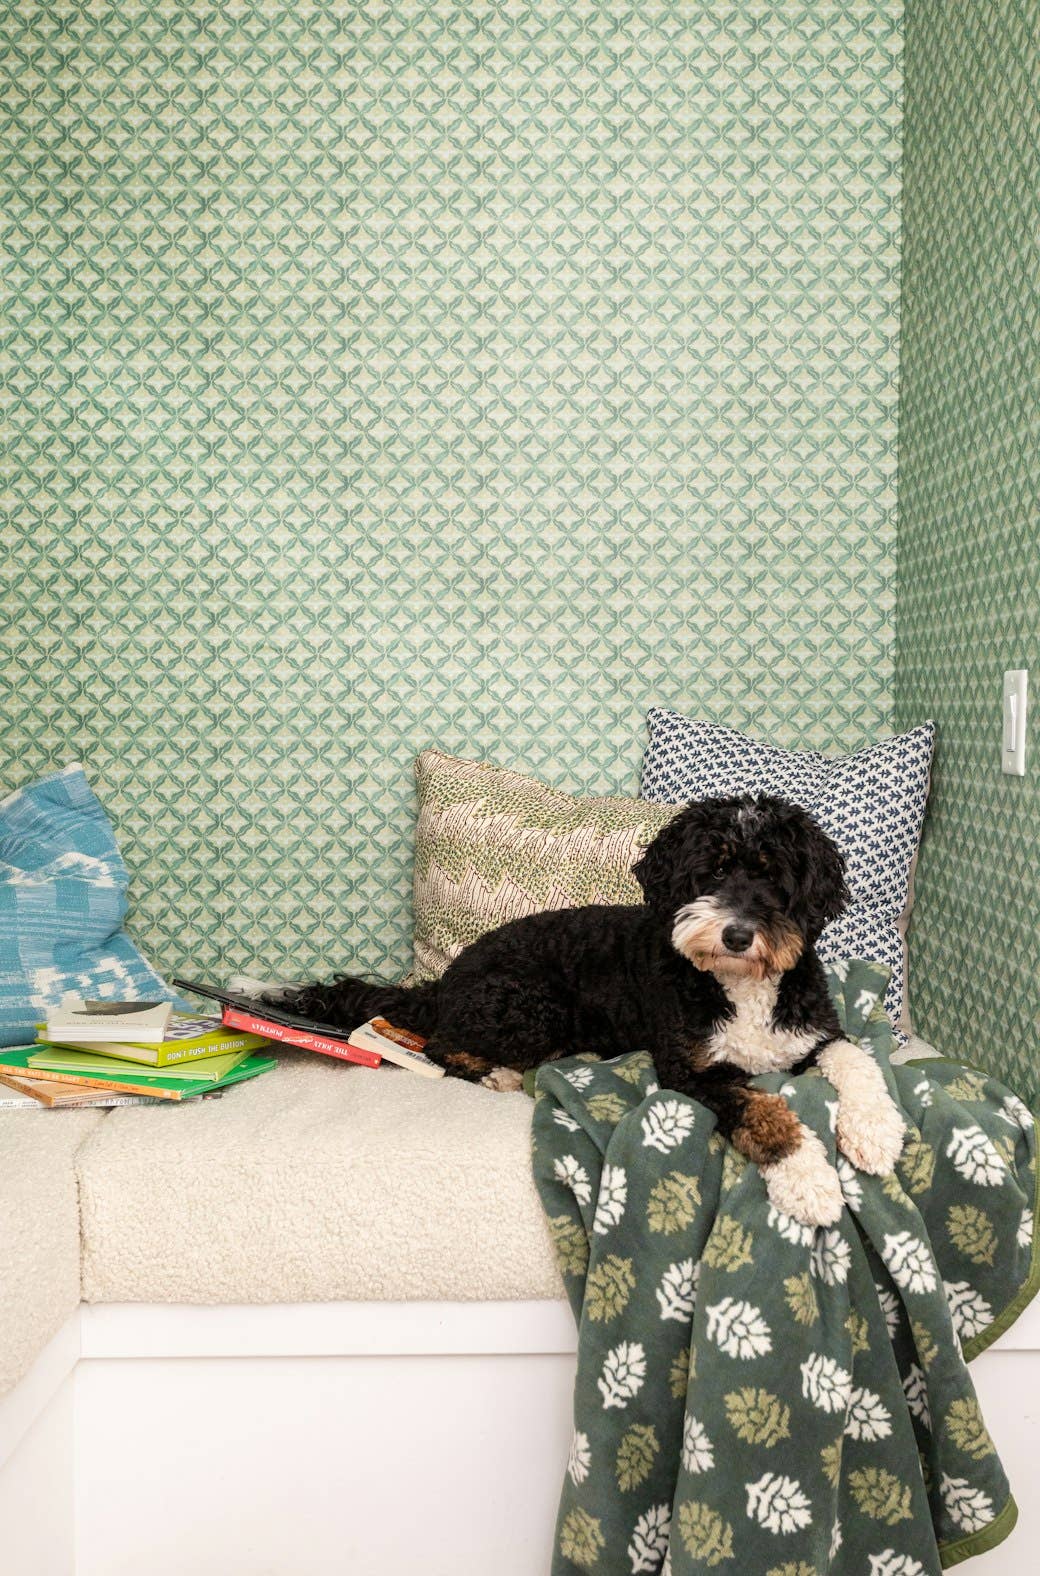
(404, 1049)
(104, 1022)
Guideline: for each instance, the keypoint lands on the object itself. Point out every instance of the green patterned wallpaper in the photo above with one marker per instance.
(382, 375)
(969, 533)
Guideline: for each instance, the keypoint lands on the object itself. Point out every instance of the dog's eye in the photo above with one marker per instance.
(720, 871)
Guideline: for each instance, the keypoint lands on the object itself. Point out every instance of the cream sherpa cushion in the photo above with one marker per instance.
(316, 1182)
(39, 1231)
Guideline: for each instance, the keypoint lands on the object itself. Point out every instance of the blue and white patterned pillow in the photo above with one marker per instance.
(63, 890)
(871, 803)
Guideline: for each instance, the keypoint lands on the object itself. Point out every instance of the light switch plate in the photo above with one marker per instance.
(1013, 741)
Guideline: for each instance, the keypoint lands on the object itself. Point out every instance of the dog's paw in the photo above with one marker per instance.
(805, 1185)
(503, 1079)
(871, 1136)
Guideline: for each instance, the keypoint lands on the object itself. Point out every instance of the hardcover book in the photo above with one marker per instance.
(58, 1058)
(40, 1094)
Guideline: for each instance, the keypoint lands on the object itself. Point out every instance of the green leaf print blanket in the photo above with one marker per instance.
(763, 1398)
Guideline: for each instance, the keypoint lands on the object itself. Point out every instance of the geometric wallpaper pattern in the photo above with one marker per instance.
(969, 530)
(383, 376)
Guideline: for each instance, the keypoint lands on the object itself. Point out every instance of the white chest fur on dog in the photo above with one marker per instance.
(749, 1039)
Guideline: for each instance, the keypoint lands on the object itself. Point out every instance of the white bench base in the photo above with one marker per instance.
(307, 1440)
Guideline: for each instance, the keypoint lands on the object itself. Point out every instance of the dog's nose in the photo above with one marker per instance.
(737, 938)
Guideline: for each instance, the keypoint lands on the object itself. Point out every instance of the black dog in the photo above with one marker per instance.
(715, 974)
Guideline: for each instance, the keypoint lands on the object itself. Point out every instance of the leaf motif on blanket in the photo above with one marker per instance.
(1024, 1235)
(563, 1119)
(966, 1428)
(705, 1535)
(581, 1538)
(790, 1229)
(909, 1262)
(801, 1298)
(1016, 1113)
(738, 1329)
(778, 1503)
(667, 1123)
(923, 1091)
(579, 1077)
(698, 1452)
(568, 1170)
(673, 1202)
(971, 1232)
(889, 1563)
(826, 1383)
(924, 1340)
(975, 1157)
(916, 1164)
(679, 1375)
(610, 1205)
(635, 1455)
(859, 1333)
(570, 1245)
(868, 1418)
(881, 1495)
(967, 1087)
(580, 1459)
(608, 1288)
(624, 1369)
(915, 1388)
(729, 1246)
(758, 1416)
(831, 1257)
(970, 1311)
(890, 1306)
(606, 1107)
(792, 1568)
(969, 1507)
(650, 1540)
(830, 1461)
(851, 1186)
(678, 1290)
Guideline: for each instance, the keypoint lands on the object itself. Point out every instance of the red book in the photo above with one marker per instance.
(302, 1039)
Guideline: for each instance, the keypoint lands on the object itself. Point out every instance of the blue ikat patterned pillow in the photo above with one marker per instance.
(63, 888)
(871, 803)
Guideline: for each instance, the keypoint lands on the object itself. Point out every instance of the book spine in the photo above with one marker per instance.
(300, 1039)
(83, 1082)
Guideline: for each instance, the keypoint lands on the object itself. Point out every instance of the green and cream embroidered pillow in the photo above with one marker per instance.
(492, 845)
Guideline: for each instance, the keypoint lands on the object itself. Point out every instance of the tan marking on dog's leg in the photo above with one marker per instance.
(768, 1128)
(466, 1066)
(870, 1127)
(804, 1184)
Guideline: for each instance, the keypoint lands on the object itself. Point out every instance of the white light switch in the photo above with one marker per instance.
(1013, 744)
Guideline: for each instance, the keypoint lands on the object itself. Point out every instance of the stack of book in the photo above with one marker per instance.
(368, 1045)
(105, 1053)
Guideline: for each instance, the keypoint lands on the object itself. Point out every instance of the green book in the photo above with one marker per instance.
(17, 1059)
(59, 1059)
(187, 1035)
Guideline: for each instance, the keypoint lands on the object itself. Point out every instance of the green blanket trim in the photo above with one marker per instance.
(981, 1542)
(1026, 1292)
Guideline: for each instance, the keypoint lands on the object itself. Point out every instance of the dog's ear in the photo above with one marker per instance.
(666, 860)
(826, 891)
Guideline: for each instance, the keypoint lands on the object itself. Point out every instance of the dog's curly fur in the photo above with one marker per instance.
(715, 974)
